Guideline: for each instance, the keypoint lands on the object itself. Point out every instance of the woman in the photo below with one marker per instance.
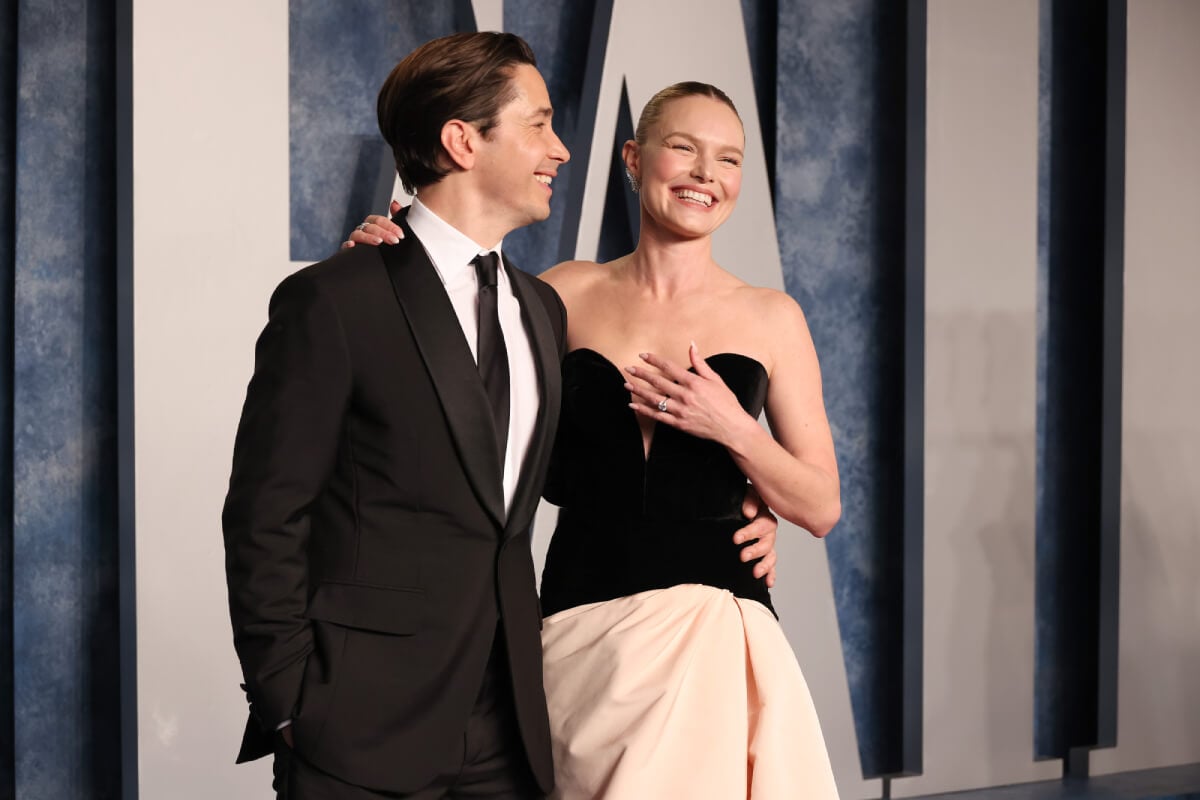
(678, 682)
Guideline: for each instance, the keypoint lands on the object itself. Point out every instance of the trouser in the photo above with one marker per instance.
(493, 765)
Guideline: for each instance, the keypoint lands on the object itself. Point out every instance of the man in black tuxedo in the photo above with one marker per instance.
(377, 527)
(389, 459)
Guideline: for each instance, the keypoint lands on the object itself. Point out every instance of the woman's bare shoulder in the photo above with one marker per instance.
(772, 306)
(774, 321)
(572, 278)
(569, 273)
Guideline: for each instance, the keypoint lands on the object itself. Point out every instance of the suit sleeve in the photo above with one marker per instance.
(284, 452)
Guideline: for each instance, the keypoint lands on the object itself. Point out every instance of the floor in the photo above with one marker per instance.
(1168, 783)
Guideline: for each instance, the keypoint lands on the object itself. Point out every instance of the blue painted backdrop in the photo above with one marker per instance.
(336, 65)
(839, 207)
(59, 734)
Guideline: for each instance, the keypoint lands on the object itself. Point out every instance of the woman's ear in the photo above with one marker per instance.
(631, 154)
(458, 140)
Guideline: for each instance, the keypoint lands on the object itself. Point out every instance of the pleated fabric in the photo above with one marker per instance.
(687, 692)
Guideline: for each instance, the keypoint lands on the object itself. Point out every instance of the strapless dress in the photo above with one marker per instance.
(666, 672)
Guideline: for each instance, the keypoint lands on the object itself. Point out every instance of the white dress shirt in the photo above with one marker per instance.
(451, 252)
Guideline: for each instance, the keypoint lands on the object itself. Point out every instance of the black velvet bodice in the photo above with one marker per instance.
(631, 522)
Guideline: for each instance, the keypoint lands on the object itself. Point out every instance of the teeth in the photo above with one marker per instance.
(546, 179)
(699, 197)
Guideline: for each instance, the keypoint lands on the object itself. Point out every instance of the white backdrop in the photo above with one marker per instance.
(210, 242)
(1158, 674)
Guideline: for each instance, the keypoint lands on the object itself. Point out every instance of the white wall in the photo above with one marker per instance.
(210, 242)
(980, 392)
(1158, 706)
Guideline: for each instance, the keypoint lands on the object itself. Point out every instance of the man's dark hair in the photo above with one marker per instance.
(465, 76)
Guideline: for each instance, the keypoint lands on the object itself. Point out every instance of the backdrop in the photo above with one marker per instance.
(987, 210)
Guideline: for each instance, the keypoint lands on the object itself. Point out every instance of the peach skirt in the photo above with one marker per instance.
(687, 692)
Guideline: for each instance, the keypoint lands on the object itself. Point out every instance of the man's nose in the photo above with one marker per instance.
(559, 151)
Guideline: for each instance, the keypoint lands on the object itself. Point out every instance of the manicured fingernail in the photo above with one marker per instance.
(643, 355)
(394, 239)
(631, 370)
(693, 345)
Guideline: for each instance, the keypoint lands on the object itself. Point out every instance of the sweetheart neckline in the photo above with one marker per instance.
(621, 372)
(647, 448)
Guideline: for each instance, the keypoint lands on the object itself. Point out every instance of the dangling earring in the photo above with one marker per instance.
(633, 182)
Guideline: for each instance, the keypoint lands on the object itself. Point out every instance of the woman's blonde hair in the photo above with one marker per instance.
(654, 108)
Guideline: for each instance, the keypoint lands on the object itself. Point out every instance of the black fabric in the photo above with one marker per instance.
(492, 761)
(492, 354)
(632, 522)
(365, 471)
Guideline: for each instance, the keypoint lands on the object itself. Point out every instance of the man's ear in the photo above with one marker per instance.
(459, 142)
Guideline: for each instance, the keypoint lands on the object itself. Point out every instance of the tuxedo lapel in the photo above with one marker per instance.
(540, 331)
(447, 358)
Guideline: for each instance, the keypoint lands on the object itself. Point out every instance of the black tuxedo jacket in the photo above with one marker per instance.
(368, 553)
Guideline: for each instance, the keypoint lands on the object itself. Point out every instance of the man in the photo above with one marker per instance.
(390, 456)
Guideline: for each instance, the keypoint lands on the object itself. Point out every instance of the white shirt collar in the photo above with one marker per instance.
(449, 249)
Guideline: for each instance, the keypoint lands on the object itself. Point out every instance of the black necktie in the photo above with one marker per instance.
(492, 355)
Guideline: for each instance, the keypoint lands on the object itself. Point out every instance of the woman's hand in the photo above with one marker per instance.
(700, 403)
(376, 229)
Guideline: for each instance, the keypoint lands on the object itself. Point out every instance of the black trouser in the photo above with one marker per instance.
(494, 763)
